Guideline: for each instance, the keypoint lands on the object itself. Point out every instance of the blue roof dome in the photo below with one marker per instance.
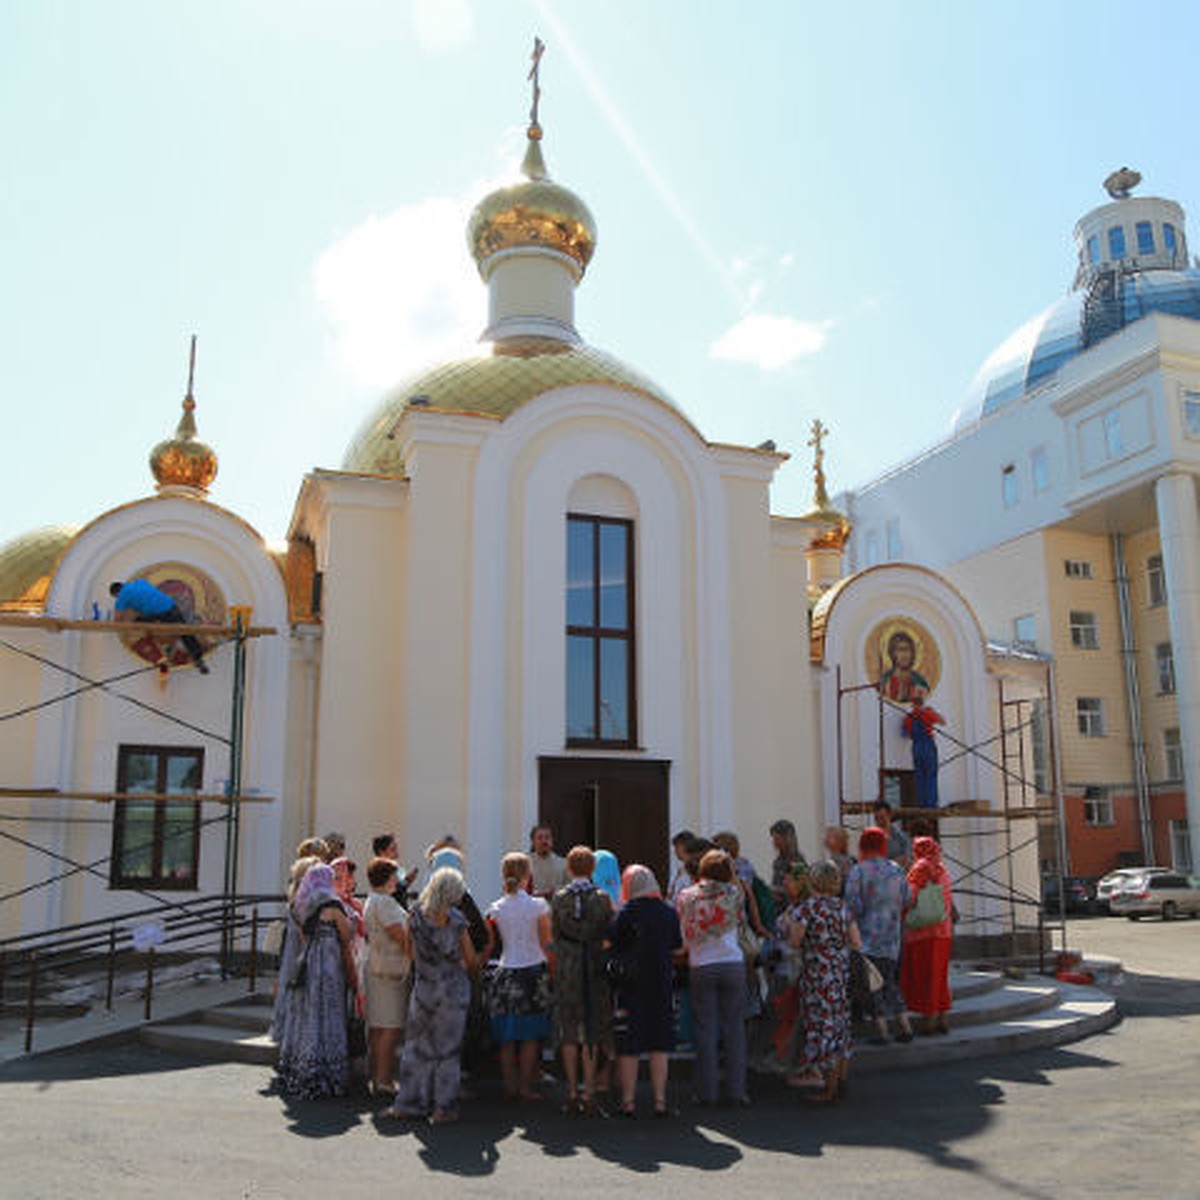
(1035, 352)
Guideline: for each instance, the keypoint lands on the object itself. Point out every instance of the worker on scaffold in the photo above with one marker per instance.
(140, 600)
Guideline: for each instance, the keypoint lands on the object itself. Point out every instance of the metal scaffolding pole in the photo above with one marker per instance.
(233, 811)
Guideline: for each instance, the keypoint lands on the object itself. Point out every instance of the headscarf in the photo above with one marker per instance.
(638, 882)
(316, 888)
(607, 875)
(872, 843)
(447, 856)
(927, 866)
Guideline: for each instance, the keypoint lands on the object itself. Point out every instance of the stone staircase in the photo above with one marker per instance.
(234, 1032)
(992, 1014)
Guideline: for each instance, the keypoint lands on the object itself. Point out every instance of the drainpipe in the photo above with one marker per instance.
(1133, 701)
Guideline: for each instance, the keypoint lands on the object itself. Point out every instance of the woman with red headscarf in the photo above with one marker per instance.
(928, 936)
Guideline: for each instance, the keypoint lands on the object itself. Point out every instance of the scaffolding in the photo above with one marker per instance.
(238, 633)
(1024, 802)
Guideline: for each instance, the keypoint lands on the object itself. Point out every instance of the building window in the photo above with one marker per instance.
(1191, 414)
(1116, 242)
(1093, 249)
(895, 547)
(1077, 568)
(1039, 468)
(1025, 630)
(1008, 485)
(1164, 662)
(600, 641)
(873, 555)
(156, 843)
(1156, 581)
(1172, 755)
(1181, 847)
(1097, 806)
(1169, 237)
(1145, 237)
(1085, 633)
(1040, 746)
(1114, 443)
(1089, 716)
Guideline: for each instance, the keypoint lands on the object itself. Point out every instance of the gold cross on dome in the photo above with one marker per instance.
(534, 77)
(817, 442)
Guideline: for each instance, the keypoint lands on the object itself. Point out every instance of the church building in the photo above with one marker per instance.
(532, 592)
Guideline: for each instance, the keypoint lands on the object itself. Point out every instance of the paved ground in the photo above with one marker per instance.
(1117, 1114)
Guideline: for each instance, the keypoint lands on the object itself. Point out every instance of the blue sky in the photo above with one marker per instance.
(830, 210)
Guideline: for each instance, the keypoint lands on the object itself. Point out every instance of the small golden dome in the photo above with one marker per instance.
(184, 460)
(27, 565)
(536, 212)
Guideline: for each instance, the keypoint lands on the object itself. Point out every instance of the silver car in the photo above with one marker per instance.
(1168, 894)
(1116, 881)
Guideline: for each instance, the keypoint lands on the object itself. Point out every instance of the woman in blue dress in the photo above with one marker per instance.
(443, 956)
(313, 1054)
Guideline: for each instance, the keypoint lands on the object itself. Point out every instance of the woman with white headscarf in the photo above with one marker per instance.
(646, 937)
(314, 1055)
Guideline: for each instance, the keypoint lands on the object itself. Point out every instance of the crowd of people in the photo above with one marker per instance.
(407, 991)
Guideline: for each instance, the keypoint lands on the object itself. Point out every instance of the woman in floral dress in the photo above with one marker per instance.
(440, 945)
(822, 929)
(313, 1053)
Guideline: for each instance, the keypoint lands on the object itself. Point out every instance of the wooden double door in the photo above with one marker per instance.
(622, 805)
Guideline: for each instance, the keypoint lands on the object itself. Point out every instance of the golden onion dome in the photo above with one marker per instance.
(27, 565)
(184, 461)
(536, 212)
(495, 383)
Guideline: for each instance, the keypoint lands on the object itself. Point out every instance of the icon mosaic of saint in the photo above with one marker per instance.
(198, 598)
(903, 660)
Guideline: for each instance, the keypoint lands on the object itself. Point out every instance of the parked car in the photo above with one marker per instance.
(1166, 893)
(1080, 893)
(1116, 881)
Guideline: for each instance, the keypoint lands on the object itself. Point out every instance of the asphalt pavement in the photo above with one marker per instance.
(1117, 1114)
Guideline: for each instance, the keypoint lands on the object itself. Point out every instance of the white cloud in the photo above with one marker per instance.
(770, 342)
(442, 25)
(401, 290)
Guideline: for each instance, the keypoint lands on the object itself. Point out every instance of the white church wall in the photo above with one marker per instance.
(529, 473)
(360, 533)
(77, 742)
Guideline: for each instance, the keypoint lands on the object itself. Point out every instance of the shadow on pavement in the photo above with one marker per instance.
(925, 1113)
(1156, 996)
(931, 1113)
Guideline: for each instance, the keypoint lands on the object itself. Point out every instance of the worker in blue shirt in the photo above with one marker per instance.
(140, 600)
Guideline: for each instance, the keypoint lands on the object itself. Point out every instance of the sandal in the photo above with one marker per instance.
(807, 1081)
(443, 1118)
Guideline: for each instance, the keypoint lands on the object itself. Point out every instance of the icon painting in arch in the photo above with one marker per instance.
(197, 597)
(903, 660)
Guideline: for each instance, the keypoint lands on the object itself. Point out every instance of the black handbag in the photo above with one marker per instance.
(356, 1036)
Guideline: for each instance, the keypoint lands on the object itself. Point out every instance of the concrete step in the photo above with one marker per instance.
(965, 982)
(1006, 1003)
(1078, 1013)
(251, 1017)
(217, 1042)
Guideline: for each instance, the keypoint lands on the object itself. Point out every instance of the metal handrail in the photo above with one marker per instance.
(218, 922)
(172, 912)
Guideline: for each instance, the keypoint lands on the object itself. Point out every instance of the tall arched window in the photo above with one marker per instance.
(601, 691)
